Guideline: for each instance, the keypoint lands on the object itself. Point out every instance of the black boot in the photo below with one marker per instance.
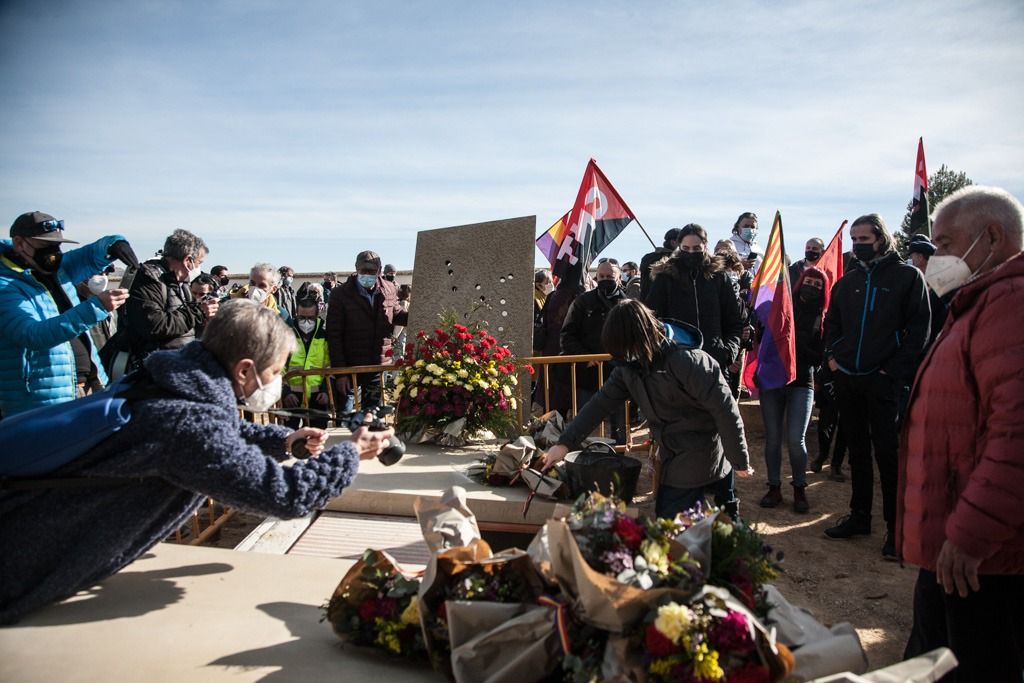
(800, 503)
(773, 498)
(853, 524)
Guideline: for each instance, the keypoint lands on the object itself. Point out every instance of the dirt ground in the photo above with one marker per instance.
(836, 580)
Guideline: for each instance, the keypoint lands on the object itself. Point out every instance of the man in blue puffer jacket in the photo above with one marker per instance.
(44, 341)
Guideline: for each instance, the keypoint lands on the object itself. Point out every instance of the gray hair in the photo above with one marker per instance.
(984, 206)
(181, 244)
(243, 328)
(275, 277)
(881, 230)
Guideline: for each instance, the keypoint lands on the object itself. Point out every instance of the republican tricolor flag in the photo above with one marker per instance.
(597, 217)
(773, 304)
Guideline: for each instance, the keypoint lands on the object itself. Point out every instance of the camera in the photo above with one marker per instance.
(373, 421)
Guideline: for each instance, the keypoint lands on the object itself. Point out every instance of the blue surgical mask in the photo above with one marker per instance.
(367, 282)
(747, 234)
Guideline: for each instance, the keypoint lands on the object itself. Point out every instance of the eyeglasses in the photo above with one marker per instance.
(52, 225)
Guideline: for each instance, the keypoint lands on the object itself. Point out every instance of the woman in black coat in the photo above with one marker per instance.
(687, 403)
(691, 286)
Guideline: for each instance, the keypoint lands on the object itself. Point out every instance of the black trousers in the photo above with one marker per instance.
(985, 630)
(868, 415)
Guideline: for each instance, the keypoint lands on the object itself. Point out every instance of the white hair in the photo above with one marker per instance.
(985, 205)
(275, 277)
(243, 328)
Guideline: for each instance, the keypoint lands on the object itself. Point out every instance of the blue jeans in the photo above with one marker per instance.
(672, 500)
(786, 411)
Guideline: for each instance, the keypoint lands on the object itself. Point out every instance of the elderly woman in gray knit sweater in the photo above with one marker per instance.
(177, 449)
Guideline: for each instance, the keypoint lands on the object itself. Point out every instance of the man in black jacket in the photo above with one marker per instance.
(668, 246)
(581, 334)
(161, 313)
(875, 330)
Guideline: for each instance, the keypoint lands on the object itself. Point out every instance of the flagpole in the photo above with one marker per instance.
(645, 232)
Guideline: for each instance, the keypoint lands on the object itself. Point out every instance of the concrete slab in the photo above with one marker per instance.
(182, 613)
(428, 470)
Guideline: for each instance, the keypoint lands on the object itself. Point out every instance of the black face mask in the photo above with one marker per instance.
(48, 258)
(812, 295)
(224, 281)
(389, 277)
(692, 260)
(607, 287)
(864, 252)
(812, 255)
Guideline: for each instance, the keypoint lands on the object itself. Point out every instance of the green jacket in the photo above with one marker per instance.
(313, 355)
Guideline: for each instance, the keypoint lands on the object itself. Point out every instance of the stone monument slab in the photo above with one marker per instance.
(482, 271)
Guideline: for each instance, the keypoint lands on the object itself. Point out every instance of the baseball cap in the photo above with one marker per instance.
(40, 226)
(920, 244)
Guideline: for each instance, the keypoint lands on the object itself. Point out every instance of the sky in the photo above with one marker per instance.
(301, 133)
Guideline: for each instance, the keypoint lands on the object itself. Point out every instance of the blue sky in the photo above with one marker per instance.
(304, 132)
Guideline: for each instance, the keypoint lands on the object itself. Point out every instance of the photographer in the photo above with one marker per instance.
(184, 442)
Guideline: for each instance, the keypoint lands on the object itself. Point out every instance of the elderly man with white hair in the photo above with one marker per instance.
(959, 516)
(185, 442)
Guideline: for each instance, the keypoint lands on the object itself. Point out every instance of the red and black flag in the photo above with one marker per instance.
(597, 218)
(920, 221)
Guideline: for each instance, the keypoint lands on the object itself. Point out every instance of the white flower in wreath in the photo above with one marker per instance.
(512, 403)
(420, 363)
(449, 378)
(463, 374)
(413, 392)
(507, 390)
(512, 378)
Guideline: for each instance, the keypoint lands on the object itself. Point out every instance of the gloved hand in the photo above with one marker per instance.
(122, 251)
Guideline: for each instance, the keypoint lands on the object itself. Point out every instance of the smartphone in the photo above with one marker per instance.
(128, 278)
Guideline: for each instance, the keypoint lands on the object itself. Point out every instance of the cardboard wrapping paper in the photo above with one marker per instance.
(447, 522)
(502, 643)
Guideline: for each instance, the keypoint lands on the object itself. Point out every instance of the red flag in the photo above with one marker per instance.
(831, 263)
(597, 217)
(920, 221)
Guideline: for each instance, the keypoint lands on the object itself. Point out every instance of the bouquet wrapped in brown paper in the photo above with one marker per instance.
(472, 574)
(611, 566)
(376, 605)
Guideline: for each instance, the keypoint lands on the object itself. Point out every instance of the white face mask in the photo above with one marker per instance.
(946, 273)
(265, 396)
(549, 287)
(97, 284)
(307, 326)
(256, 294)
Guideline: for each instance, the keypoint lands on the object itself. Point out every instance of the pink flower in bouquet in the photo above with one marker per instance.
(732, 634)
(630, 531)
(657, 643)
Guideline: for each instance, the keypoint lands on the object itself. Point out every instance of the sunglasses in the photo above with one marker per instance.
(52, 225)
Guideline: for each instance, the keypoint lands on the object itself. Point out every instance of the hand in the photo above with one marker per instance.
(209, 308)
(592, 364)
(554, 455)
(745, 474)
(371, 444)
(113, 298)
(123, 251)
(321, 398)
(290, 401)
(315, 439)
(343, 384)
(956, 568)
(833, 365)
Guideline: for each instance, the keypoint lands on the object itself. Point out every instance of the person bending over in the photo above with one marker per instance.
(686, 400)
(181, 446)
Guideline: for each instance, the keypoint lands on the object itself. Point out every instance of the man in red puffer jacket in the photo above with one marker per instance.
(959, 515)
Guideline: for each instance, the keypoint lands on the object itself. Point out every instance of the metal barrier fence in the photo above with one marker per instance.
(204, 525)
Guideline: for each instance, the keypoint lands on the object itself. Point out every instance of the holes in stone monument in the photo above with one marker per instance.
(448, 263)
(501, 279)
(451, 272)
(501, 329)
(477, 286)
(504, 314)
(501, 301)
(510, 276)
(454, 288)
(483, 298)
